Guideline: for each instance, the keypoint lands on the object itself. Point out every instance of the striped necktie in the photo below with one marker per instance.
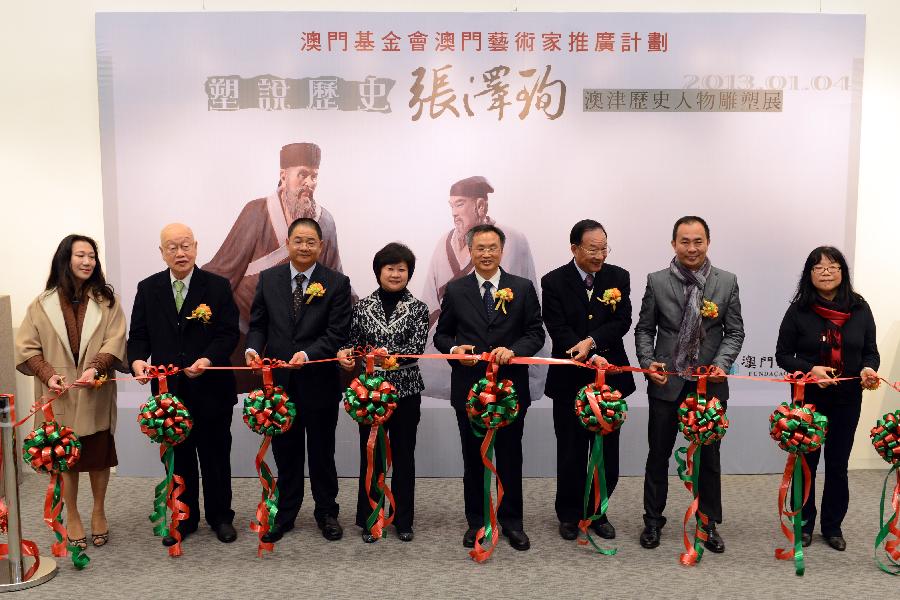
(298, 294)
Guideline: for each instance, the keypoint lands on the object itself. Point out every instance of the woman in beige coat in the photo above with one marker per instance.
(74, 332)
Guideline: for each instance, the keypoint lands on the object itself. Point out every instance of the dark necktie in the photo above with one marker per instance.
(589, 281)
(488, 298)
(298, 294)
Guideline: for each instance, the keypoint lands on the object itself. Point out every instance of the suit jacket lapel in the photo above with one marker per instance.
(504, 282)
(53, 309)
(573, 278)
(473, 293)
(377, 312)
(195, 292)
(92, 318)
(712, 282)
(282, 283)
(317, 277)
(401, 310)
(166, 297)
(677, 290)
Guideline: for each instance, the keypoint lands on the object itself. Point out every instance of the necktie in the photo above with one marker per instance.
(298, 294)
(589, 281)
(179, 294)
(488, 298)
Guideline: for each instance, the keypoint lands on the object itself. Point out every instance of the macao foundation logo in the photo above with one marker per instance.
(756, 365)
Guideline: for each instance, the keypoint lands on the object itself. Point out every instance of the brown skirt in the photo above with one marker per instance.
(98, 452)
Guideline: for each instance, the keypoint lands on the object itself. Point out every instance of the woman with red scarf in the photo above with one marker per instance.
(828, 330)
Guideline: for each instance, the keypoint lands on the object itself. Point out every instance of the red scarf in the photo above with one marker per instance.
(832, 335)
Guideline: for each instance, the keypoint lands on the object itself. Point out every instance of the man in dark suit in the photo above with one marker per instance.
(675, 334)
(301, 312)
(584, 328)
(163, 331)
(470, 322)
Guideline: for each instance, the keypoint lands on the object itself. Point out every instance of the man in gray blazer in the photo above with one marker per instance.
(675, 334)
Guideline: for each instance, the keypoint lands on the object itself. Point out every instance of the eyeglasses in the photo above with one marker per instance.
(173, 249)
(820, 270)
(596, 251)
(307, 243)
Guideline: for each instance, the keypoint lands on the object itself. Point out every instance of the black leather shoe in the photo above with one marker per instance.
(568, 530)
(650, 536)
(184, 530)
(714, 541)
(276, 533)
(368, 538)
(517, 539)
(837, 542)
(331, 529)
(225, 532)
(604, 529)
(469, 537)
(806, 539)
(405, 536)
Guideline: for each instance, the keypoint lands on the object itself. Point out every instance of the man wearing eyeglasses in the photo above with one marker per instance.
(164, 331)
(473, 321)
(677, 331)
(587, 311)
(469, 203)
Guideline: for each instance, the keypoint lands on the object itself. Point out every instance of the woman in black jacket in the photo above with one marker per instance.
(828, 330)
(391, 318)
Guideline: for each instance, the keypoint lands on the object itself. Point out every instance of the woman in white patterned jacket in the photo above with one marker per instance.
(391, 318)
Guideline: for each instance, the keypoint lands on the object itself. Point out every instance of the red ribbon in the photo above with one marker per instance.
(606, 428)
(377, 529)
(482, 553)
(51, 513)
(261, 526)
(180, 510)
(690, 556)
(785, 514)
(892, 547)
(160, 373)
(29, 548)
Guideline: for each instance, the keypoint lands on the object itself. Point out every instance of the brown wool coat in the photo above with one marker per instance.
(43, 331)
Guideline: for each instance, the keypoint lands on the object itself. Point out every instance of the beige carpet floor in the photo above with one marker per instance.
(435, 565)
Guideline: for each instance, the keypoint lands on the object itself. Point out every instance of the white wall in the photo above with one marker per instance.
(50, 140)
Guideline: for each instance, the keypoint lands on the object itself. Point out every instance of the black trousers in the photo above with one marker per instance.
(210, 443)
(842, 422)
(508, 459)
(401, 429)
(315, 424)
(573, 447)
(662, 429)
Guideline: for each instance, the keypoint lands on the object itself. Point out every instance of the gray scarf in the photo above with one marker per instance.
(690, 333)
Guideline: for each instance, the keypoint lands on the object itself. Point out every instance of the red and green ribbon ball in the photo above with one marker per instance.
(370, 399)
(601, 410)
(53, 448)
(886, 440)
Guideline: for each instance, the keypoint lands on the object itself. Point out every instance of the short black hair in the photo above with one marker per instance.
(485, 228)
(582, 227)
(392, 254)
(686, 221)
(311, 223)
